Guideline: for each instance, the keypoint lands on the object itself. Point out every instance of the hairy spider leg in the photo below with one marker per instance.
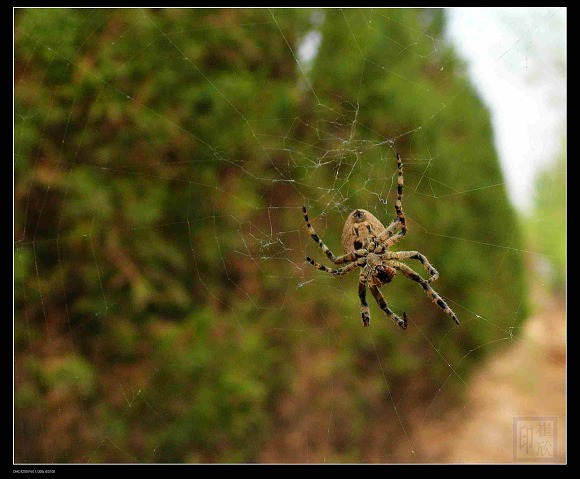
(336, 272)
(414, 255)
(388, 231)
(402, 323)
(399, 222)
(399, 202)
(431, 293)
(364, 305)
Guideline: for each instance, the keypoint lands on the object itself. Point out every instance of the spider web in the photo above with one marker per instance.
(315, 415)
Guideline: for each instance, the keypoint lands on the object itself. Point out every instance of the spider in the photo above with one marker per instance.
(366, 244)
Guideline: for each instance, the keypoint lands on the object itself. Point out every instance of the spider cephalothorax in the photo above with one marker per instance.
(366, 244)
(378, 271)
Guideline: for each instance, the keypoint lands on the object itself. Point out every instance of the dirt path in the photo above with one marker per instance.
(528, 379)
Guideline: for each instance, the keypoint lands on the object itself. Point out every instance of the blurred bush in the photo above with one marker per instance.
(163, 309)
(545, 227)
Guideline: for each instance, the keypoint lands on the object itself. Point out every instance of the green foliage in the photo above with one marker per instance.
(546, 226)
(163, 309)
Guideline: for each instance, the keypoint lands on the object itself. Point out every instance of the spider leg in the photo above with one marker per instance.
(335, 272)
(347, 258)
(399, 222)
(431, 293)
(399, 202)
(386, 244)
(364, 305)
(380, 299)
(414, 255)
(389, 230)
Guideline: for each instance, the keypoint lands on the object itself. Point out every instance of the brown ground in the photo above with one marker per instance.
(527, 379)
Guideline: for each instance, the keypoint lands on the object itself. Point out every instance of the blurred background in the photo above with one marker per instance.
(163, 310)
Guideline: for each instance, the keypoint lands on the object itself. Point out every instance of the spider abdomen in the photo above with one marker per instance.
(361, 227)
